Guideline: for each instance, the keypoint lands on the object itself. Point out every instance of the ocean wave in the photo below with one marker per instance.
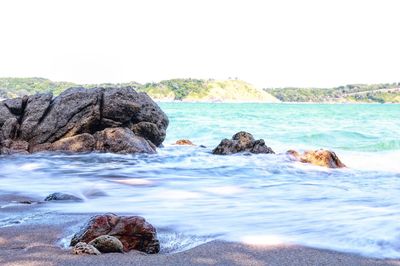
(346, 140)
(205, 197)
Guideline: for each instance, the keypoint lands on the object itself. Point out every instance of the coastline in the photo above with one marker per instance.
(266, 102)
(39, 243)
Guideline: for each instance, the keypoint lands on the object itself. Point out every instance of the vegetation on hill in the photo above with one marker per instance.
(378, 93)
(174, 89)
(15, 87)
(231, 90)
(206, 90)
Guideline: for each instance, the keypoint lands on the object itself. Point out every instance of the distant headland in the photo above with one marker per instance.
(210, 90)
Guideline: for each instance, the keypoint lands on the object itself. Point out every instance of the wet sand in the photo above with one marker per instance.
(38, 243)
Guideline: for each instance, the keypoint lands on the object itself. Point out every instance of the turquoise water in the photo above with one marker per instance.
(258, 199)
(368, 127)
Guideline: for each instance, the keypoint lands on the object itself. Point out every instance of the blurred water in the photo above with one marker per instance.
(263, 199)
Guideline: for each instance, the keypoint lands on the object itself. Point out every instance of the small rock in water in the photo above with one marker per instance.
(318, 157)
(184, 142)
(94, 193)
(62, 197)
(85, 249)
(242, 142)
(25, 202)
(134, 232)
(107, 244)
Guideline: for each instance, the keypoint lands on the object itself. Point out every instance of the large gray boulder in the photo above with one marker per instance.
(34, 112)
(118, 120)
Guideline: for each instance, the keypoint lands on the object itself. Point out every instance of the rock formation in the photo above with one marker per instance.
(133, 232)
(242, 142)
(318, 157)
(184, 142)
(118, 120)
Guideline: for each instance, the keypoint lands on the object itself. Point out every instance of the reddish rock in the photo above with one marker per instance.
(184, 142)
(134, 232)
(320, 157)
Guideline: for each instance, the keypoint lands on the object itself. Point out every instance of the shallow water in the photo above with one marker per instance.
(260, 199)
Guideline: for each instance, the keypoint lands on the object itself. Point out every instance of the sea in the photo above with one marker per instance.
(192, 196)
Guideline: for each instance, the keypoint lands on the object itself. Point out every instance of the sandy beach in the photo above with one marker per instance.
(37, 242)
(36, 245)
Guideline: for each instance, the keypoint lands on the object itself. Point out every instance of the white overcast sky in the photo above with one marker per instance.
(268, 43)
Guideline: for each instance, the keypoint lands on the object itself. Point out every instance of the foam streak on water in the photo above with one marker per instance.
(261, 199)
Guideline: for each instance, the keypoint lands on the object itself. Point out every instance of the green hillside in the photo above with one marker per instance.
(218, 91)
(373, 93)
(174, 89)
(207, 90)
(14, 87)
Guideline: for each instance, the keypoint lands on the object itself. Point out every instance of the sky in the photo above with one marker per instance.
(268, 43)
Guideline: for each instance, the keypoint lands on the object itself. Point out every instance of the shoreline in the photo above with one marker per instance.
(39, 243)
(261, 102)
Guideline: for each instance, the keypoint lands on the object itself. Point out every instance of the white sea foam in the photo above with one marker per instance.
(369, 161)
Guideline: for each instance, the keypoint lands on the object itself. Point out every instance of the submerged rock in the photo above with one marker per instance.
(117, 120)
(82, 248)
(134, 232)
(318, 157)
(25, 202)
(94, 193)
(242, 142)
(184, 142)
(62, 197)
(107, 244)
